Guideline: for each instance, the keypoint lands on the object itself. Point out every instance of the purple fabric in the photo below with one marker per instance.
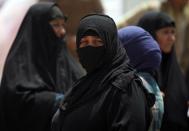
(142, 49)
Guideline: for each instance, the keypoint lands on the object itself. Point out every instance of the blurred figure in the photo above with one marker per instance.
(177, 9)
(1, 3)
(111, 96)
(38, 71)
(145, 56)
(171, 81)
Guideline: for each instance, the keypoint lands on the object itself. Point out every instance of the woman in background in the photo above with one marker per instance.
(145, 56)
(38, 71)
(171, 82)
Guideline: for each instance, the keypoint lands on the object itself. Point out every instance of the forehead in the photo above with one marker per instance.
(90, 37)
(166, 28)
(58, 20)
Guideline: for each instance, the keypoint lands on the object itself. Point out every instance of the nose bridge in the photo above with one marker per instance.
(90, 41)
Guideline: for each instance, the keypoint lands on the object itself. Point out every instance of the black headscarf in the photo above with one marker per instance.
(56, 13)
(37, 58)
(115, 60)
(171, 79)
(37, 61)
(156, 20)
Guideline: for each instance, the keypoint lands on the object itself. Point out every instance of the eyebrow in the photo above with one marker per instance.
(99, 39)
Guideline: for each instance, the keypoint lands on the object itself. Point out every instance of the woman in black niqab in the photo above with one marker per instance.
(171, 80)
(38, 70)
(110, 96)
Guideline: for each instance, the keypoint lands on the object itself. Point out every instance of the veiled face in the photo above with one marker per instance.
(166, 38)
(105, 28)
(58, 26)
(93, 41)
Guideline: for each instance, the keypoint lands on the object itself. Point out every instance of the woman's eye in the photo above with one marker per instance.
(99, 42)
(83, 41)
(54, 24)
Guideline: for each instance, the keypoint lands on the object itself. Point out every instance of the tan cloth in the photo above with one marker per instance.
(75, 9)
(132, 16)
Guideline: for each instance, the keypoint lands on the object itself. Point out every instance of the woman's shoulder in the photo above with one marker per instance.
(125, 80)
(131, 84)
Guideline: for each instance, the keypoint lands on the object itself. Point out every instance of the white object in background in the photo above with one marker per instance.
(11, 15)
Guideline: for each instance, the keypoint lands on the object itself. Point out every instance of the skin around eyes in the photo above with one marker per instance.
(93, 41)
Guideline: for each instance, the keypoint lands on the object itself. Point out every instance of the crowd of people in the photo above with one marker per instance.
(126, 79)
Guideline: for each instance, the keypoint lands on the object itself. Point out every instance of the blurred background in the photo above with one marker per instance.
(117, 8)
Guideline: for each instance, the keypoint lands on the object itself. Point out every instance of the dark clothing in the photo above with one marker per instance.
(120, 107)
(171, 80)
(38, 70)
(111, 97)
(172, 83)
(145, 56)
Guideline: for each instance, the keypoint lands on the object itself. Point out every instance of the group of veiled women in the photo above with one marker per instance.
(131, 82)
